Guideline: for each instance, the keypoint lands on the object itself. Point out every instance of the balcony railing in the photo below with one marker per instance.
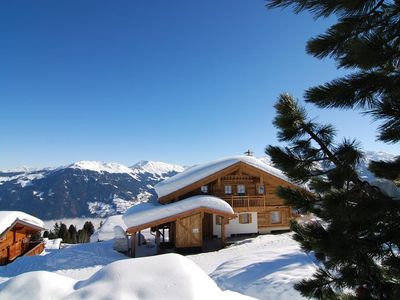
(20, 248)
(245, 201)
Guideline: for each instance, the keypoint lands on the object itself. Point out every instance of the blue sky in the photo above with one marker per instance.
(174, 81)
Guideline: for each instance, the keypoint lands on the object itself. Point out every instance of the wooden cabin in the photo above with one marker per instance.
(245, 183)
(20, 235)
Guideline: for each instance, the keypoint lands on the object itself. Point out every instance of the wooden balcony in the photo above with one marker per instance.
(253, 201)
(245, 201)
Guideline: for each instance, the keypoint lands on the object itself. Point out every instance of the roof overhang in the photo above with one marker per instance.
(21, 225)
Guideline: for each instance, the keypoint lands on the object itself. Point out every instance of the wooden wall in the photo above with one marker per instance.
(251, 178)
(189, 231)
(14, 244)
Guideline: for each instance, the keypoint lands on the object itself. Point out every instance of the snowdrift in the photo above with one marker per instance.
(169, 276)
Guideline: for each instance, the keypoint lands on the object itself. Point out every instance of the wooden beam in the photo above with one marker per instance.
(157, 237)
(133, 244)
(223, 231)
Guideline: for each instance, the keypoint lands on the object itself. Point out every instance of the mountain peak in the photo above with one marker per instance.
(100, 167)
(156, 167)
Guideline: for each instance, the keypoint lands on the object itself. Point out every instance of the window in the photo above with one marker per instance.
(204, 189)
(241, 189)
(244, 218)
(228, 190)
(260, 189)
(275, 217)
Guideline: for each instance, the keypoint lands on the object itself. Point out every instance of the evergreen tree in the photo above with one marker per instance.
(46, 234)
(365, 40)
(56, 229)
(356, 236)
(63, 233)
(73, 234)
(83, 236)
(89, 227)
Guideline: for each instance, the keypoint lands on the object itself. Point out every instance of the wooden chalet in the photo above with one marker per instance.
(19, 236)
(245, 183)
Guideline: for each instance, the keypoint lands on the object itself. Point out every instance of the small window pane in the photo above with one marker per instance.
(204, 189)
(275, 217)
(241, 189)
(228, 189)
(261, 189)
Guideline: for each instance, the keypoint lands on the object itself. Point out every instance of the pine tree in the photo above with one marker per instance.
(356, 236)
(89, 227)
(83, 236)
(365, 40)
(73, 234)
(63, 233)
(56, 229)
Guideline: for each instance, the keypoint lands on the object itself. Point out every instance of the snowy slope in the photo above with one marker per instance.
(264, 267)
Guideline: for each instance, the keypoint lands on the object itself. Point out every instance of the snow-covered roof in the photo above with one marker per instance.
(144, 213)
(106, 231)
(199, 172)
(7, 218)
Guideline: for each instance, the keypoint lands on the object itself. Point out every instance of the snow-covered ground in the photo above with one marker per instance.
(264, 267)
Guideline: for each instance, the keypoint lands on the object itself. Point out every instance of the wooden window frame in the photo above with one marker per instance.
(245, 218)
(206, 188)
(237, 190)
(280, 216)
(258, 189)
(225, 186)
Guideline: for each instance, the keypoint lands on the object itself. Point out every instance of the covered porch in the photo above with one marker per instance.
(183, 225)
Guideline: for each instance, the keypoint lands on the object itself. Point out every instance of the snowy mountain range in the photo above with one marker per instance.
(82, 189)
(97, 189)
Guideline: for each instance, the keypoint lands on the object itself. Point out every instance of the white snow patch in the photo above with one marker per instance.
(199, 172)
(7, 218)
(52, 244)
(100, 209)
(147, 212)
(106, 231)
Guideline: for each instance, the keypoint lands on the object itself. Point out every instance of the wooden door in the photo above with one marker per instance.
(189, 231)
(208, 226)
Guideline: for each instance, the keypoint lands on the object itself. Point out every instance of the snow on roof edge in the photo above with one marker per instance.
(144, 213)
(8, 218)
